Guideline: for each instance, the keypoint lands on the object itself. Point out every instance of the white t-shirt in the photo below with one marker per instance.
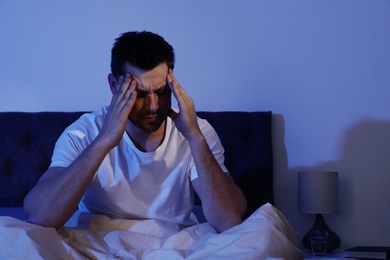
(133, 184)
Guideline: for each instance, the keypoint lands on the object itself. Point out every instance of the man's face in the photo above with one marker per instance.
(153, 101)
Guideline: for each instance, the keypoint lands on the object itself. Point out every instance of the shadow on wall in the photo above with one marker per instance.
(364, 185)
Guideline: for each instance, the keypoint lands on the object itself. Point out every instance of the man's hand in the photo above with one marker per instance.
(122, 102)
(222, 201)
(185, 120)
(56, 196)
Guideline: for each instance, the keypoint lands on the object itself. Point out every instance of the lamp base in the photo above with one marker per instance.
(320, 225)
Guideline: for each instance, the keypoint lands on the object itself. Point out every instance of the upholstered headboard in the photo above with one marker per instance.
(247, 139)
(27, 140)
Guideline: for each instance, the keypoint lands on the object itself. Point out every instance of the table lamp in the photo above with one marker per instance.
(318, 194)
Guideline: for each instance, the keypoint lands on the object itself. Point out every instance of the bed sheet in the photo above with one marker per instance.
(266, 234)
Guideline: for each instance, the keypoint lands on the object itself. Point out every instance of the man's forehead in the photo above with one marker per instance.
(154, 78)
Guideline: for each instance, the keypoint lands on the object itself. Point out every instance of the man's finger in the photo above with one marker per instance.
(170, 79)
(128, 78)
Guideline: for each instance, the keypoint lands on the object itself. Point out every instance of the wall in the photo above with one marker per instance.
(322, 67)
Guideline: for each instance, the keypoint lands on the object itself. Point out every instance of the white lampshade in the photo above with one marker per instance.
(318, 192)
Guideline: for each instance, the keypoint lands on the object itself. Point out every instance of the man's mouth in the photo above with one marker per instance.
(150, 118)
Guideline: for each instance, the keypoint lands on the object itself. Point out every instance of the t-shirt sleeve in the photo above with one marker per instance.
(71, 144)
(215, 146)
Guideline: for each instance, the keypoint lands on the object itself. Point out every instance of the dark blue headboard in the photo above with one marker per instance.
(247, 139)
(27, 140)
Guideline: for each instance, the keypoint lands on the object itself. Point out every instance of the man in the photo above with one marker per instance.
(138, 158)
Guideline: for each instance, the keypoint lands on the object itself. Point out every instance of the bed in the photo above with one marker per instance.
(26, 143)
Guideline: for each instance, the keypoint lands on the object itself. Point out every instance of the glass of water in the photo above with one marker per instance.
(319, 242)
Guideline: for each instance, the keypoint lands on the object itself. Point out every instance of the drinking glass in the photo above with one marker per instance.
(319, 242)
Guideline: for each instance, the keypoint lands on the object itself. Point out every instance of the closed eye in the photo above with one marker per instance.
(142, 93)
(162, 91)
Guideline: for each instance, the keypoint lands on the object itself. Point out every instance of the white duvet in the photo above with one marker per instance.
(265, 234)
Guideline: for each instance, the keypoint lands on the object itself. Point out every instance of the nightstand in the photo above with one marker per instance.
(336, 254)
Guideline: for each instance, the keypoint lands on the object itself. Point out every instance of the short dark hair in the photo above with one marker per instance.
(144, 50)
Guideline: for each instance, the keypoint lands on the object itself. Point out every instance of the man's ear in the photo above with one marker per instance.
(112, 82)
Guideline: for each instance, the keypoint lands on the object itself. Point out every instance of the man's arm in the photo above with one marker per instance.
(223, 202)
(56, 196)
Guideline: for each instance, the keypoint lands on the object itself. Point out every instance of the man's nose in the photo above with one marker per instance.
(152, 102)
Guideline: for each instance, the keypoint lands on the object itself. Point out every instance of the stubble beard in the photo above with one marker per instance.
(153, 127)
